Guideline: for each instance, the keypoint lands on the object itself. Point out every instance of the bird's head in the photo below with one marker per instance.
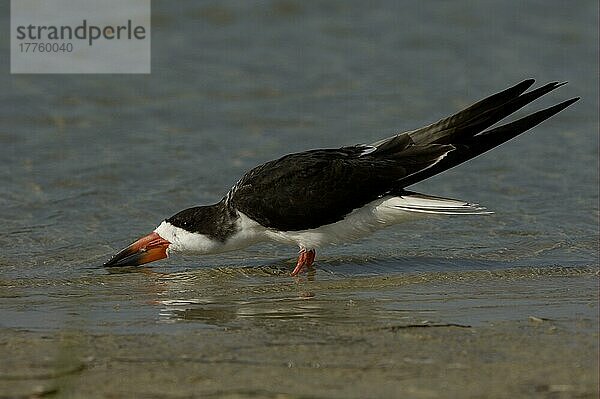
(200, 230)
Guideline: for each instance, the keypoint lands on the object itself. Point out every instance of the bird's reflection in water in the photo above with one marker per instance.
(154, 283)
(339, 291)
(217, 314)
(235, 314)
(234, 296)
(172, 293)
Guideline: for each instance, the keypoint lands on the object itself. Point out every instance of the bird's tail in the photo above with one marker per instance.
(421, 203)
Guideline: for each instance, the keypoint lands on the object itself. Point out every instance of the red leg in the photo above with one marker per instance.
(300, 263)
(305, 260)
(310, 257)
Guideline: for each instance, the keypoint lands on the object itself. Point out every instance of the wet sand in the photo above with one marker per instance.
(255, 333)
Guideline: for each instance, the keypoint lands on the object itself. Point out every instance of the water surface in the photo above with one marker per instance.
(89, 163)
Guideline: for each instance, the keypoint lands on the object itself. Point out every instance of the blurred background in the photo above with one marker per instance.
(89, 163)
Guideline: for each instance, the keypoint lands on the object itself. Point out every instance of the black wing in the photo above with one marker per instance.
(308, 189)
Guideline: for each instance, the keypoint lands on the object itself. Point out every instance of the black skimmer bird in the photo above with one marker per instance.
(328, 196)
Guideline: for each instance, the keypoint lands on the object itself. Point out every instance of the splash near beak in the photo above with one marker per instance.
(147, 249)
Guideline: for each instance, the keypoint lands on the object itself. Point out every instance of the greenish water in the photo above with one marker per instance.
(89, 163)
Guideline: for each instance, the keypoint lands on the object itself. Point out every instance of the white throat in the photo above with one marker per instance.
(248, 232)
(184, 241)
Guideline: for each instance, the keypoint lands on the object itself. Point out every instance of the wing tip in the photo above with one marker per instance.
(528, 81)
(521, 86)
(562, 105)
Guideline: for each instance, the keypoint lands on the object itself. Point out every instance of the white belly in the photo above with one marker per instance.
(359, 223)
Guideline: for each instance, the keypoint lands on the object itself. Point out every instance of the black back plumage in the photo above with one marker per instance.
(308, 189)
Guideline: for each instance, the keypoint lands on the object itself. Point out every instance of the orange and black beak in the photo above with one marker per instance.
(147, 249)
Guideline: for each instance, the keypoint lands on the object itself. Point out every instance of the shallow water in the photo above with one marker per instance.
(254, 333)
(146, 301)
(90, 163)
